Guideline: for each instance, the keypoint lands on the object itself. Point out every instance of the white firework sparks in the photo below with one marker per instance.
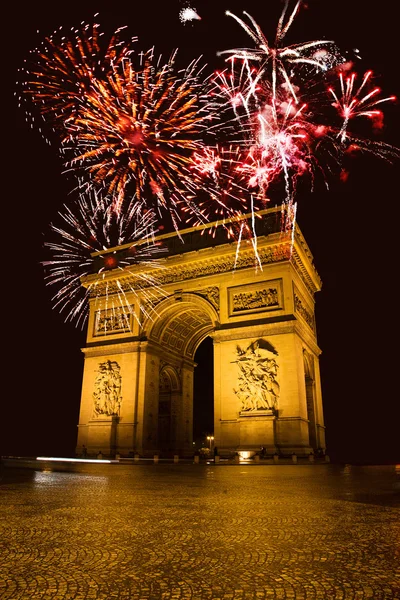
(189, 14)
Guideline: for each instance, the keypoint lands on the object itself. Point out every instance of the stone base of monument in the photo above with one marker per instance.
(101, 436)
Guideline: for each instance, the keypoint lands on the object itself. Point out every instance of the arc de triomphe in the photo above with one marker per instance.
(145, 324)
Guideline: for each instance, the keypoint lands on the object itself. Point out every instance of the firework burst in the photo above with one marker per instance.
(128, 127)
(357, 102)
(135, 134)
(86, 228)
(286, 132)
(318, 55)
(188, 14)
(59, 72)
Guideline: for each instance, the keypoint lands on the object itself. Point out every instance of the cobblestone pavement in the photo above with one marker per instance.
(171, 532)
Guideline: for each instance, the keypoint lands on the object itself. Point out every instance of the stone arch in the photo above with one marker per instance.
(169, 399)
(173, 331)
(171, 375)
(180, 323)
(206, 287)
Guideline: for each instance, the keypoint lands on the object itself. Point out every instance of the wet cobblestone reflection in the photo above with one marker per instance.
(171, 532)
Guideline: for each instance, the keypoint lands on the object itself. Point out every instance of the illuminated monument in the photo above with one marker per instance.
(137, 393)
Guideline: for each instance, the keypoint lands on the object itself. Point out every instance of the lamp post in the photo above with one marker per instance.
(210, 439)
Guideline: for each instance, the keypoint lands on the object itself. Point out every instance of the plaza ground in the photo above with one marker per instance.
(185, 531)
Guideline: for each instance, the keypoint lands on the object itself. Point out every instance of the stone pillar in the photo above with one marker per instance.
(292, 430)
(217, 393)
(148, 393)
(101, 436)
(101, 431)
(185, 418)
(239, 420)
(321, 443)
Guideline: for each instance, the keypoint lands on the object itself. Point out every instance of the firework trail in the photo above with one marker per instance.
(87, 227)
(226, 193)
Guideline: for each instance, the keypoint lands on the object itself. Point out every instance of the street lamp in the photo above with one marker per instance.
(210, 439)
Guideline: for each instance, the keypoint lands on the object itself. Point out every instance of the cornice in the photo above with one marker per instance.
(179, 270)
(207, 262)
(107, 349)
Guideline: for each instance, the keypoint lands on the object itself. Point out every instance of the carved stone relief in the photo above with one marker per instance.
(264, 296)
(258, 388)
(180, 330)
(301, 308)
(113, 320)
(196, 269)
(258, 299)
(107, 389)
(211, 294)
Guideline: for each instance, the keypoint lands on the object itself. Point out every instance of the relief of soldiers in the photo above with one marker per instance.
(107, 389)
(258, 388)
(257, 299)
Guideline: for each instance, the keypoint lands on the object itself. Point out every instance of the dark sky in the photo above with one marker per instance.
(352, 230)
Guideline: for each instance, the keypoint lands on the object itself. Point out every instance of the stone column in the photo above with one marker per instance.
(292, 430)
(94, 436)
(148, 393)
(185, 418)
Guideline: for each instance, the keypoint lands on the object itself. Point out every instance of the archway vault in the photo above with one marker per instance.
(180, 323)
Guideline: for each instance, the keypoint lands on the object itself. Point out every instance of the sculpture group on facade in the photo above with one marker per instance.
(107, 389)
(258, 388)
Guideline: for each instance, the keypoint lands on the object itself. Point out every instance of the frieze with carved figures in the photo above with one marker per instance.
(263, 296)
(113, 320)
(278, 253)
(302, 309)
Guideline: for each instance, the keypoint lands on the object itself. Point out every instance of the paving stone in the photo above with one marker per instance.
(177, 532)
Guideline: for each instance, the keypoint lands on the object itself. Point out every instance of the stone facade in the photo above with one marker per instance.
(137, 392)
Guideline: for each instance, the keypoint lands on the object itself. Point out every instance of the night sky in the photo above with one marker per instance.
(352, 230)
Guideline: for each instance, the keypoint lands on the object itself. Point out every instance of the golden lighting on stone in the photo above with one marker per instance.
(259, 312)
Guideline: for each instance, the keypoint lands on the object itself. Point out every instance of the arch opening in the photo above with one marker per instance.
(181, 326)
(203, 393)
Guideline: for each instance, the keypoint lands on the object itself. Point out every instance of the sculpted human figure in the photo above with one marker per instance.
(258, 388)
(107, 389)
